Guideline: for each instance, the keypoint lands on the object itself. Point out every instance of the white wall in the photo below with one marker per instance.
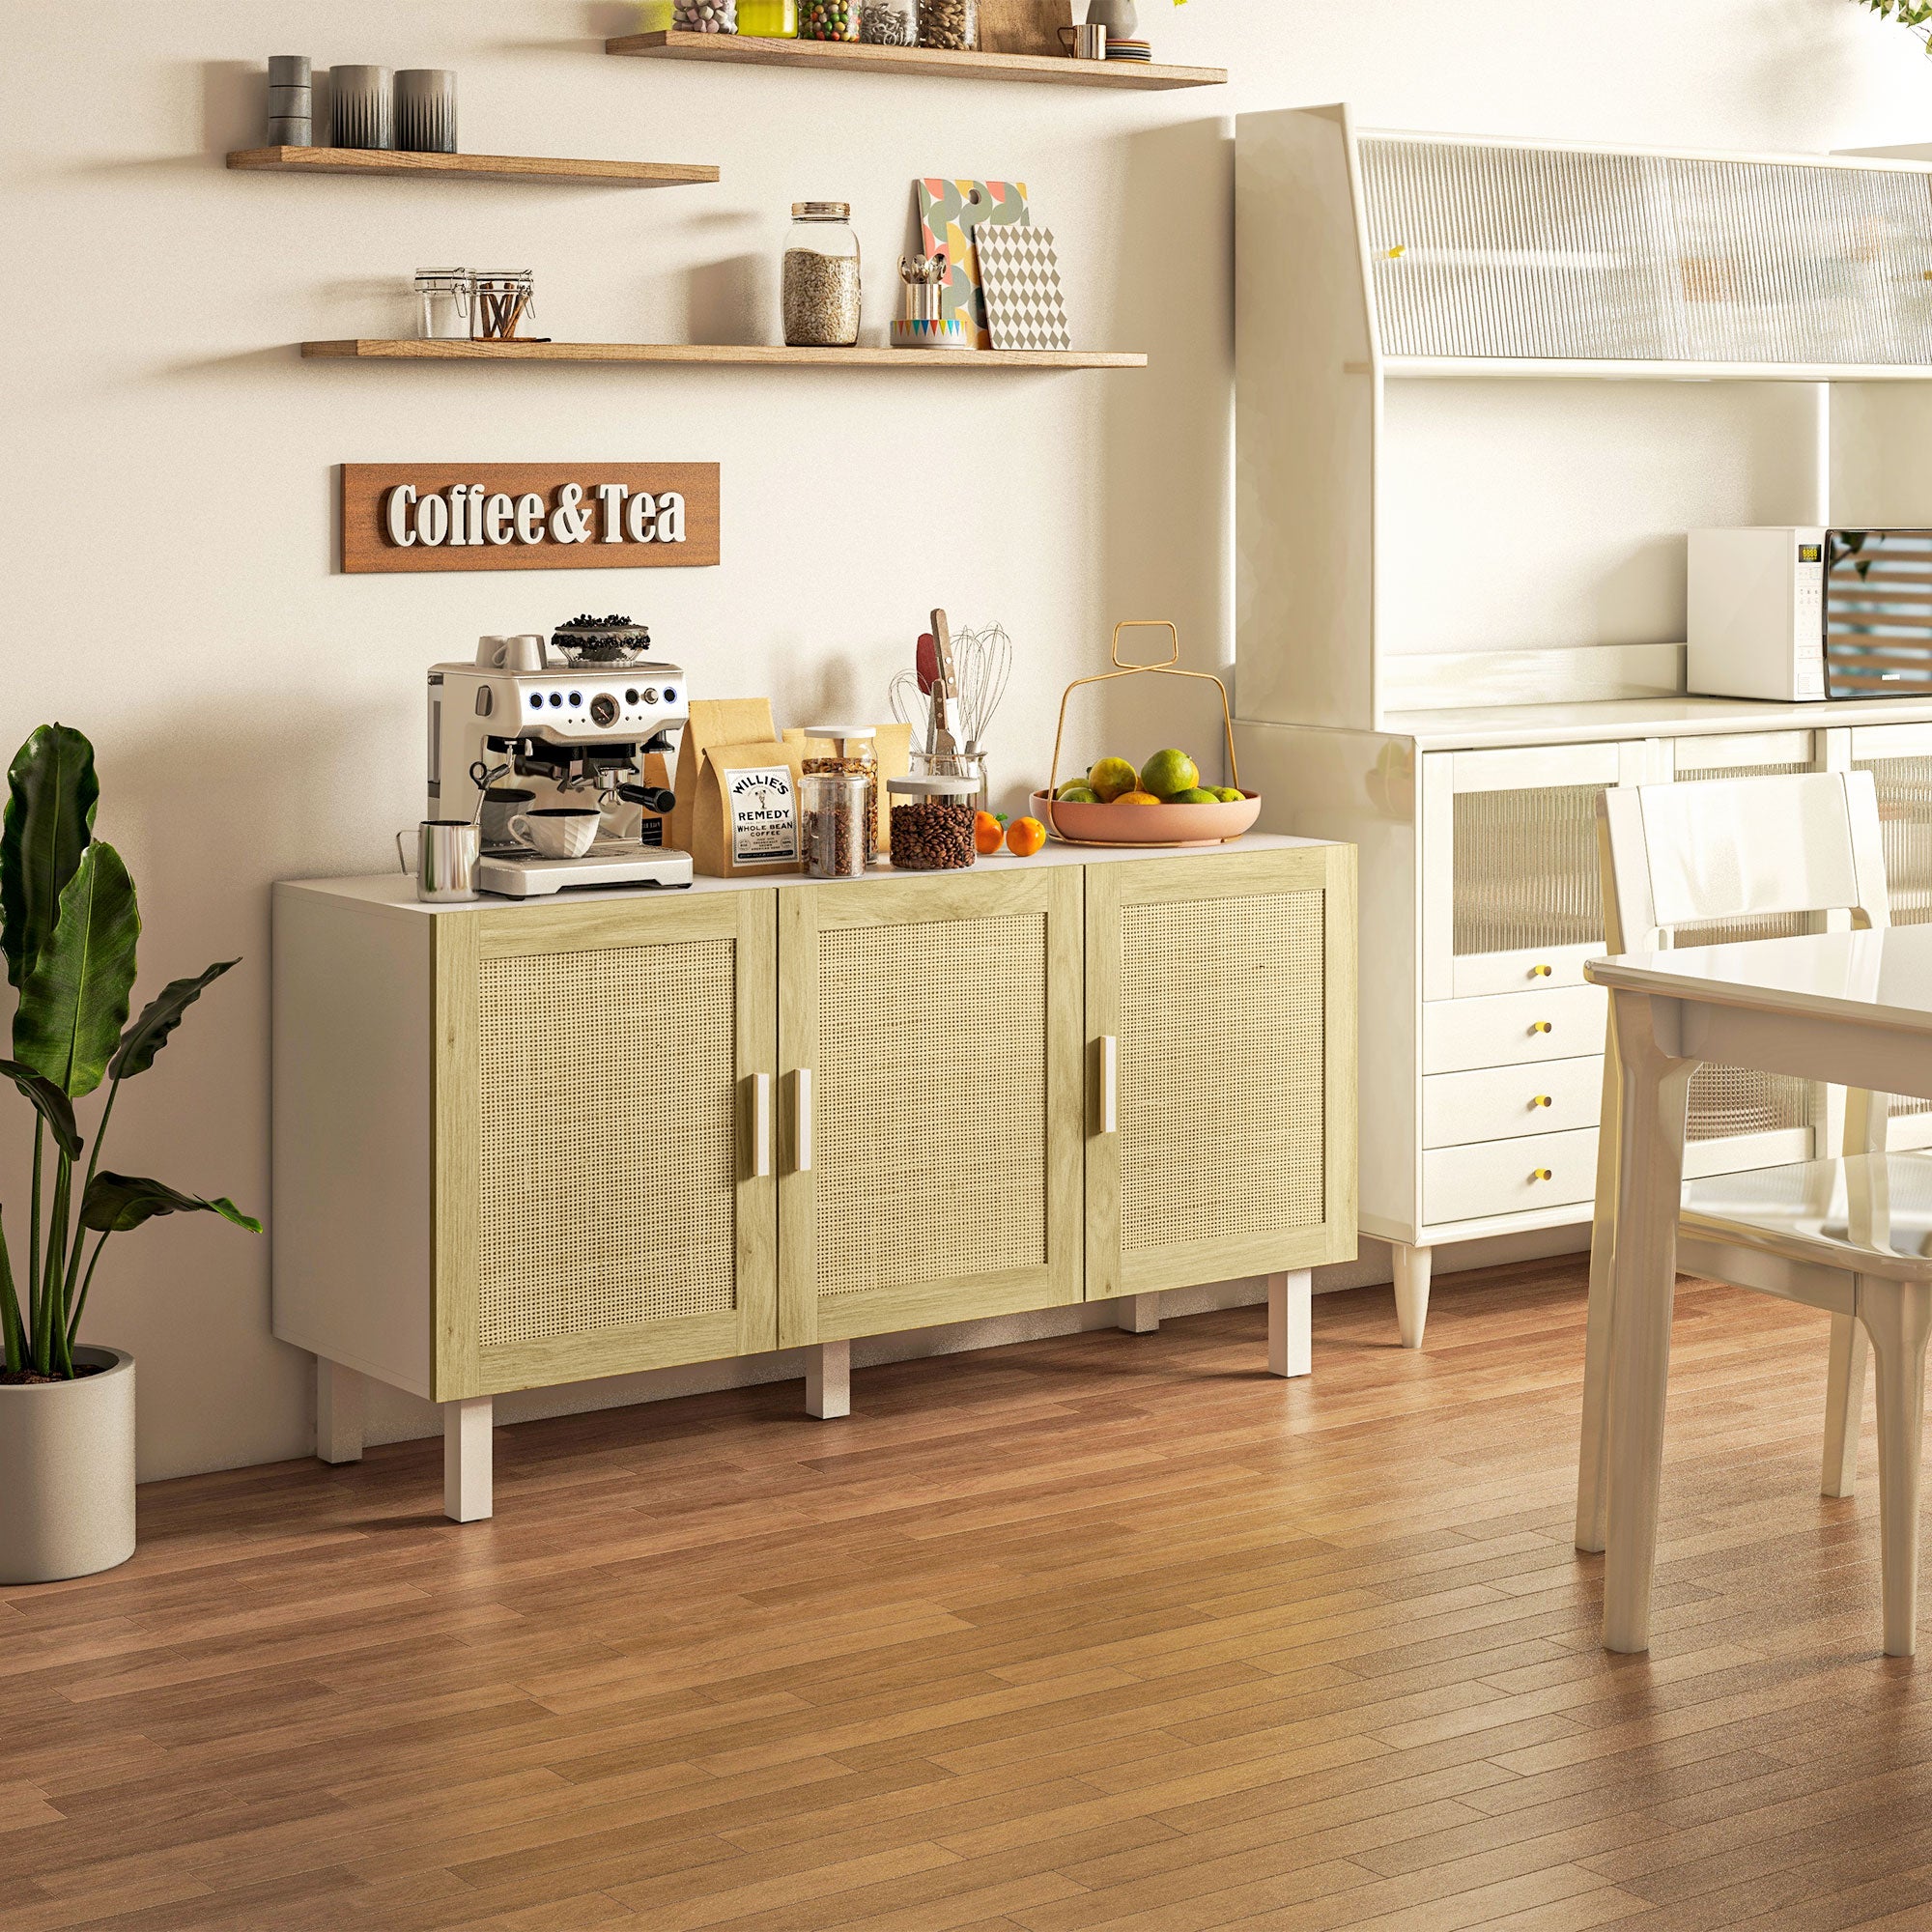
(166, 489)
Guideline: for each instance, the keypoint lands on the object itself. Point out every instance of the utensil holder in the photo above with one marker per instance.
(1167, 666)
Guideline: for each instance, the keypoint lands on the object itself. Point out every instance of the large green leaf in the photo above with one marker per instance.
(73, 1001)
(115, 1203)
(160, 1018)
(54, 1107)
(50, 800)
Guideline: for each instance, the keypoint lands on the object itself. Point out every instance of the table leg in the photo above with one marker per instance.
(1650, 1180)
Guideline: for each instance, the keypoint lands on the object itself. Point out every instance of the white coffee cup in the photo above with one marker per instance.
(557, 832)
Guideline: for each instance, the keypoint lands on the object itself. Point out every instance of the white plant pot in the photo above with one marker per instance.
(67, 1472)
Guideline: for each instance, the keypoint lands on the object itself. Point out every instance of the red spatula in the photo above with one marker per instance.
(927, 661)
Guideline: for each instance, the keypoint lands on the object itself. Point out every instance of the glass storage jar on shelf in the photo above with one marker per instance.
(855, 755)
(705, 17)
(838, 816)
(768, 19)
(952, 25)
(442, 304)
(932, 824)
(821, 276)
(828, 19)
(889, 23)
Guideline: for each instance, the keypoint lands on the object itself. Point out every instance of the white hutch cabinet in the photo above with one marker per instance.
(1485, 387)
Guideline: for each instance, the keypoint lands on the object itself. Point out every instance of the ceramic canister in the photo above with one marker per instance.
(426, 110)
(363, 106)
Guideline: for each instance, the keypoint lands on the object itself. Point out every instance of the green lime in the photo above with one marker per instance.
(1078, 794)
(1230, 795)
(1112, 777)
(1197, 795)
(1168, 774)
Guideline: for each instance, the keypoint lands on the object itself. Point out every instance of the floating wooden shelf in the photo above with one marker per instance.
(467, 167)
(411, 349)
(858, 57)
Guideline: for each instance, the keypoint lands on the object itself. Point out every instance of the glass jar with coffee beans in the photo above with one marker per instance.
(820, 283)
(889, 23)
(932, 824)
(949, 24)
(828, 19)
(705, 17)
(836, 819)
(855, 755)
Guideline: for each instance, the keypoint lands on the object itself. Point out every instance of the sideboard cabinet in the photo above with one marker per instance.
(523, 1145)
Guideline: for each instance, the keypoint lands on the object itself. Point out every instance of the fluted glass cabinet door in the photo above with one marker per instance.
(1221, 1058)
(603, 1076)
(929, 1111)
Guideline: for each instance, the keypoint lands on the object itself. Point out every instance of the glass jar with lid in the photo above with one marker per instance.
(828, 19)
(952, 25)
(820, 282)
(769, 19)
(889, 23)
(855, 755)
(501, 301)
(442, 304)
(836, 819)
(705, 17)
(932, 824)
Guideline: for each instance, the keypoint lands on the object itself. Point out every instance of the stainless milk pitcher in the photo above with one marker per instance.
(448, 850)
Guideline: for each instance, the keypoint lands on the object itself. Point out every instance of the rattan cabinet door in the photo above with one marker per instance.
(930, 1144)
(604, 1202)
(1221, 1052)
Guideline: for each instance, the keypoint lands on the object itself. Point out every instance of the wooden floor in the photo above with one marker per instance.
(1110, 1630)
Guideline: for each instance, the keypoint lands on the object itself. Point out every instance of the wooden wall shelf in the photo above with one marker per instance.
(857, 57)
(467, 167)
(411, 349)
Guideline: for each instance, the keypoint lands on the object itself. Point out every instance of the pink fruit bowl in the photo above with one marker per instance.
(1147, 824)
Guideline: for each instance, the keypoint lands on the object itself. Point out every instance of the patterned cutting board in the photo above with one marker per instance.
(948, 211)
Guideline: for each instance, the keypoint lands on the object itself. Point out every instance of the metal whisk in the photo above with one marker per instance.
(984, 661)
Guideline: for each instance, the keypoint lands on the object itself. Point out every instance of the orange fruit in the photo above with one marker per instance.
(1137, 798)
(988, 833)
(1025, 836)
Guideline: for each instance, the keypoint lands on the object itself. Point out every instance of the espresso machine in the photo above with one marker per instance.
(572, 723)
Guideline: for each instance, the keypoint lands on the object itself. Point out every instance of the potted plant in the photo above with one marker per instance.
(1913, 13)
(69, 927)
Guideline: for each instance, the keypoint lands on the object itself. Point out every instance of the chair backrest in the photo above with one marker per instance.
(1708, 850)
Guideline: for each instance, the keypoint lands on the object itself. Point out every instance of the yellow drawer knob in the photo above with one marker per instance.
(1541, 1174)
(1539, 972)
(1539, 1100)
(1540, 1026)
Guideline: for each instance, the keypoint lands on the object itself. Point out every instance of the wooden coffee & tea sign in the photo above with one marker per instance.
(528, 516)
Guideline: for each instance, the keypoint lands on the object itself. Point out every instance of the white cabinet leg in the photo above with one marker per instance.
(465, 1460)
(1138, 1313)
(828, 1381)
(339, 1413)
(1290, 1323)
(1898, 1316)
(1412, 1292)
(1844, 1405)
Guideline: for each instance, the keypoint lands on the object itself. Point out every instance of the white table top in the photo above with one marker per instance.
(1877, 978)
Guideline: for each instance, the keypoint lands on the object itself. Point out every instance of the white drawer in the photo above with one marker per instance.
(1495, 1103)
(1512, 1029)
(1477, 973)
(1468, 1183)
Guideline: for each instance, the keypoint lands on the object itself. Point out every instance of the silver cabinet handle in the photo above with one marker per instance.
(762, 1127)
(1110, 1082)
(802, 1118)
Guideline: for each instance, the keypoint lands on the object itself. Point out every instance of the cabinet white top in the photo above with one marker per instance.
(397, 891)
(1483, 726)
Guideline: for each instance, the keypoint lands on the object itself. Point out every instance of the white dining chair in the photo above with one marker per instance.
(1850, 1234)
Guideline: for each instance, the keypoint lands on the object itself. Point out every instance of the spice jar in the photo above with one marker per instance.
(442, 304)
(857, 757)
(705, 17)
(828, 19)
(932, 824)
(889, 23)
(951, 24)
(821, 276)
(499, 300)
(769, 19)
(836, 817)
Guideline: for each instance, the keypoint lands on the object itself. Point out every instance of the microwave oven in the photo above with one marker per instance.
(1800, 614)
